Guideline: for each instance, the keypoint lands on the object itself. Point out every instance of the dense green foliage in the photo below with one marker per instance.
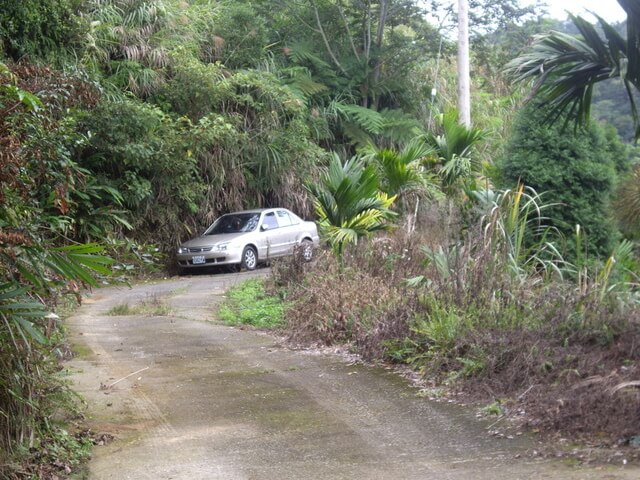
(39, 28)
(575, 170)
(41, 190)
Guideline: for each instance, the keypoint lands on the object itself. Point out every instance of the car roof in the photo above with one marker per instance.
(258, 210)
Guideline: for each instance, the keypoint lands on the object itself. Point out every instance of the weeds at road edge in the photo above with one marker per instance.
(248, 304)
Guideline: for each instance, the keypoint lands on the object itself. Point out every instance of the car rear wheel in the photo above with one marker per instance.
(249, 258)
(307, 250)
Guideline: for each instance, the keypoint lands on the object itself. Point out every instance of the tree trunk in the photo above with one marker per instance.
(464, 94)
(377, 69)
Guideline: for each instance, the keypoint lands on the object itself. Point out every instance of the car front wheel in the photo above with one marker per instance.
(249, 258)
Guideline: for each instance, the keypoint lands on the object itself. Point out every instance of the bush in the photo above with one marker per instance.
(575, 172)
(38, 27)
(145, 157)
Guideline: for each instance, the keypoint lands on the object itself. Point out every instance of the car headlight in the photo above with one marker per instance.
(221, 247)
(183, 250)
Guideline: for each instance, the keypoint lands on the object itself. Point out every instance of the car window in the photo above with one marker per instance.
(270, 220)
(295, 220)
(234, 223)
(284, 220)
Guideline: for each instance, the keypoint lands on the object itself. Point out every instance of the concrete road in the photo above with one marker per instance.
(207, 401)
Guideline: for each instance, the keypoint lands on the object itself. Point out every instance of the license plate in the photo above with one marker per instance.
(197, 259)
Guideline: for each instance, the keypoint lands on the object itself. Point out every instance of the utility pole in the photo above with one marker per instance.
(464, 90)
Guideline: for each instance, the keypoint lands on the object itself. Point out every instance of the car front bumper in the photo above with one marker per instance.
(231, 257)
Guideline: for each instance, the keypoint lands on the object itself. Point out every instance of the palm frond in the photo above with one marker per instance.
(401, 171)
(21, 313)
(451, 149)
(455, 138)
(348, 202)
(566, 68)
(128, 32)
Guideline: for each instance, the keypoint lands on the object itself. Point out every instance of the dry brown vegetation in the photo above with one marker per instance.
(560, 356)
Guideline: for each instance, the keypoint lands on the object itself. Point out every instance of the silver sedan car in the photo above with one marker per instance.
(249, 237)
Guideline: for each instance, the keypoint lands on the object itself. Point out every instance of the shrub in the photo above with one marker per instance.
(573, 168)
(38, 27)
(144, 157)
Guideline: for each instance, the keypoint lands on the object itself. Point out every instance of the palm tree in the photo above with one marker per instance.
(401, 171)
(349, 203)
(452, 149)
(566, 68)
(402, 174)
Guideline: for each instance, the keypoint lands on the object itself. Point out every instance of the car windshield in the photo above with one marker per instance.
(234, 223)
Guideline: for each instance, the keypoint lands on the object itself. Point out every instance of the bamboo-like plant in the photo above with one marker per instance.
(125, 38)
(516, 234)
(349, 204)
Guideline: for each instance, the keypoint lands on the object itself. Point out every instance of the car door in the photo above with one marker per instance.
(272, 236)
(289, 231)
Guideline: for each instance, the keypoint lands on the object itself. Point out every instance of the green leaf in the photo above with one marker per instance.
(31, 329)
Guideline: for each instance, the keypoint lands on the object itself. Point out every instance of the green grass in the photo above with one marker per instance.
(248, 304)
(151, 306)
(120, 309)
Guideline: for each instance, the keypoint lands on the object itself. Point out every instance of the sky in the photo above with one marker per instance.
(610, 10)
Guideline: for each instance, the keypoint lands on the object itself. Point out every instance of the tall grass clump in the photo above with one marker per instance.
(494, 309)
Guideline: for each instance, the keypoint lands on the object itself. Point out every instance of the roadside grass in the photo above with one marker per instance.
(249, 304)
(152, 305)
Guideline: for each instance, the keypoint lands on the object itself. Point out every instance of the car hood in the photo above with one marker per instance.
(209, 240)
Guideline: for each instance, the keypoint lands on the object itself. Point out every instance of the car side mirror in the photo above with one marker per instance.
(264, 227)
